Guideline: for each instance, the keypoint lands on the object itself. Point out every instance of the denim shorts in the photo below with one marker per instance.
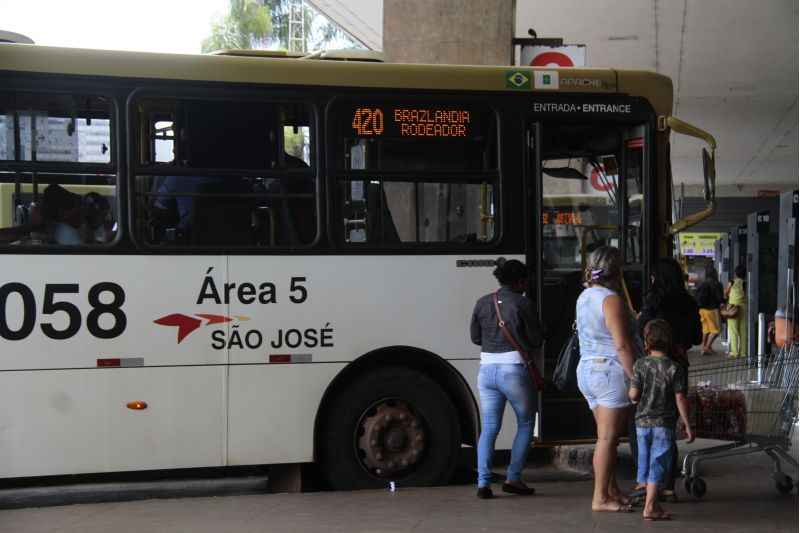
(603, 383)
(655, 454)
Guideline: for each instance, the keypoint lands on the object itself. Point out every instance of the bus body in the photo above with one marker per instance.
(275, 260)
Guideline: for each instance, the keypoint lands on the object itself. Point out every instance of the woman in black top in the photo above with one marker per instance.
(503, 375)
(669, 300)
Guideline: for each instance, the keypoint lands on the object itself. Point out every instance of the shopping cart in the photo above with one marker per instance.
(753, 405)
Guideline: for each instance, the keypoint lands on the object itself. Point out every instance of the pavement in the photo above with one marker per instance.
(741, 497)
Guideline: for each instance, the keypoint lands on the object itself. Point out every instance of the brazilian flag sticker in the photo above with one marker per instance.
(518, 79)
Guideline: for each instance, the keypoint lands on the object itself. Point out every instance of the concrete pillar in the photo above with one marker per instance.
(464, 32)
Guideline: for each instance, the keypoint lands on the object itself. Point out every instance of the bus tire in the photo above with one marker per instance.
(390, 424)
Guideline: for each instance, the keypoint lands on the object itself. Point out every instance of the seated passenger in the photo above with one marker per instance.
(183, 202)
(97, 226)
(73, 220)
(178, 210)
(62, 214)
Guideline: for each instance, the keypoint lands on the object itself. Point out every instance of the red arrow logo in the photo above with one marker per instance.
(214, 319)
(185, 324)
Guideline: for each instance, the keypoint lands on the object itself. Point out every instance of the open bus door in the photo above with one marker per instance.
(588, 181)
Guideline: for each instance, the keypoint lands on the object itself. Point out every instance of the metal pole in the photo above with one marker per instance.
(762, 344)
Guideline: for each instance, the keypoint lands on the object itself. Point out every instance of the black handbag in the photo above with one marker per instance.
(565, 374)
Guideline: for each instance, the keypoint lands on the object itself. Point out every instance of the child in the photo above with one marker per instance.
(659, 388)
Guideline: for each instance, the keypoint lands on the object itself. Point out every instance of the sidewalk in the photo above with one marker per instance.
(741, 497)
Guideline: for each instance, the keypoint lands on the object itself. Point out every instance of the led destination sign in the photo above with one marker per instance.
(411, 122)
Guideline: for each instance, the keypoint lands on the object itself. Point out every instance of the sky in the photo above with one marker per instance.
(177, 26)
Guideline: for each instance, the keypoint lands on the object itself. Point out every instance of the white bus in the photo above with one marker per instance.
(242, 260)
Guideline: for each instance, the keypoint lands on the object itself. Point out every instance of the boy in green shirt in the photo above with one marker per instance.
(659, 388)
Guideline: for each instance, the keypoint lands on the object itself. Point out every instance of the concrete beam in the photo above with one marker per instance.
(466, 32)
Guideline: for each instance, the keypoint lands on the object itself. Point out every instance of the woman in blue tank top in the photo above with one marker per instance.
(606, 365)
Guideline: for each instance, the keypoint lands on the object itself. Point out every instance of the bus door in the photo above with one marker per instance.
(588, 181)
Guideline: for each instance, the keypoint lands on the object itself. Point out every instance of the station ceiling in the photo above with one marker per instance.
(734, 65)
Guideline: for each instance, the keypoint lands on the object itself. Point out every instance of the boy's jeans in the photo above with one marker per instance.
(655, 454)
(496, 384)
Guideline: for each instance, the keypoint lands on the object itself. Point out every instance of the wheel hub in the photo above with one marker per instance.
(391, 439)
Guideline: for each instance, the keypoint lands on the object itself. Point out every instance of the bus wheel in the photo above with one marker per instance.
(392, 424)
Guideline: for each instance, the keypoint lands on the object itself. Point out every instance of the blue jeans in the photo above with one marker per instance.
(496, 384)
(655, 445)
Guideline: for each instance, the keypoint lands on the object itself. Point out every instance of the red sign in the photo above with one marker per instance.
(601, 185)
(552, 58)
(569, 55)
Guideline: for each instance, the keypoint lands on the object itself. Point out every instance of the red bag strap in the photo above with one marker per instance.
(537, 378)
(507, 334)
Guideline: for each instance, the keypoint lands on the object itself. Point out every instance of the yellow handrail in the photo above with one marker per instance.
(679, 126)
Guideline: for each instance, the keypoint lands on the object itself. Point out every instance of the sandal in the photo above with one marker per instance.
(661, 515)
(668, 495)
(618, 509)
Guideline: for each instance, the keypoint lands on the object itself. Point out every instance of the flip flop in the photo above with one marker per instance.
(658, 517)
(620, 509)
(668, 496)
(637, 496)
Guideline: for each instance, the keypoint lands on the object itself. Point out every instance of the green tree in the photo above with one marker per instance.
(319, 31)
(248, 24)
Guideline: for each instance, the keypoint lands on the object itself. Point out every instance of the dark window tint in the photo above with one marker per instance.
(393, 212)
(224, 134)
(225, 211)
(225, 173)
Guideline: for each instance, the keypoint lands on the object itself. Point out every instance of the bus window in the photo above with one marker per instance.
(415, 173)
(390, 212)
(579, 209)
(57, 181)
(164, 141)
(634, 159)
(297, 143)
(55, 128)
(224, 173)
(583, 200)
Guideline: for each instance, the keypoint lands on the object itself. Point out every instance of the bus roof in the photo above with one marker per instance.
(654, 87)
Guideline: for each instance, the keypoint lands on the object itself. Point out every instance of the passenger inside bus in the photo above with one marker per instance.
(225, 210)
(73, 220)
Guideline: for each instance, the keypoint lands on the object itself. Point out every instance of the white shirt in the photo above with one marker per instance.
(504, 358)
